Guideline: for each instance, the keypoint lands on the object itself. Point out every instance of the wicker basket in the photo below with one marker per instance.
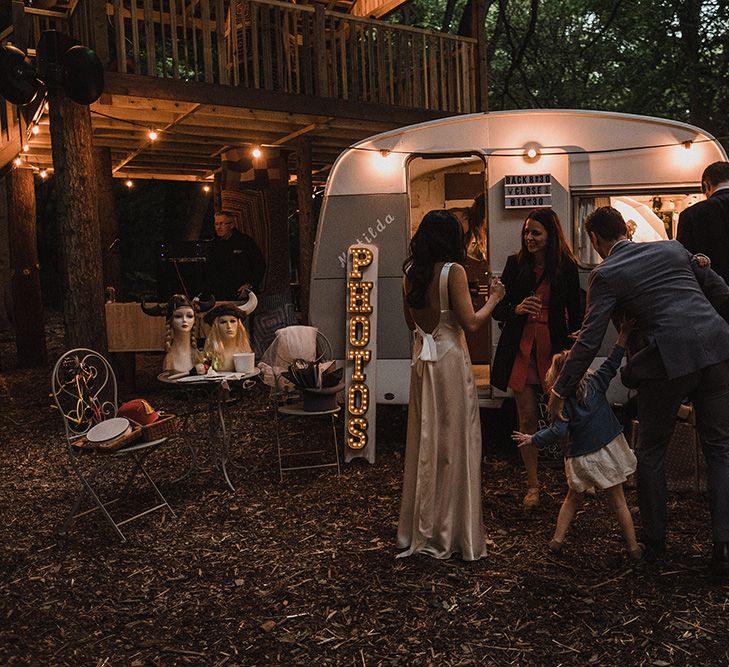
(164, 427)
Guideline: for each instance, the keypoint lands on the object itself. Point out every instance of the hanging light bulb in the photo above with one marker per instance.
(35, 129)
(256, 152)
(206, 189)
(26, 148)
(129, 183)
(43, 174)
(153, 135)
(17, 161)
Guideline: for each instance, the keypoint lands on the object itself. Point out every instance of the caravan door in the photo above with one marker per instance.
(457, 182)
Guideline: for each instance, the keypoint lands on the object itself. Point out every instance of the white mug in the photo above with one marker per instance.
(244, 362)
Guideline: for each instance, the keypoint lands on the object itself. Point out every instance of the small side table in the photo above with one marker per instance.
(282, 412)
(215, 388)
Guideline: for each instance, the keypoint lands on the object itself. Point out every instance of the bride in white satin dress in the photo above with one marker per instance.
(441, 510)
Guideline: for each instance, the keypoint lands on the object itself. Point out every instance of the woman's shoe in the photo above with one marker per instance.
(531, 499)
(555, 546)
(635, 554)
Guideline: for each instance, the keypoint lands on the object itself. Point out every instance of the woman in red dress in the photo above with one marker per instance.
(542, 307)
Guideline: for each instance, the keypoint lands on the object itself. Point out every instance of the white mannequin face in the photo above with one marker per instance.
(227, 327)
(183, 319)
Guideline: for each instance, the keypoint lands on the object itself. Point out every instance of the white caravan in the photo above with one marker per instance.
(380, 188)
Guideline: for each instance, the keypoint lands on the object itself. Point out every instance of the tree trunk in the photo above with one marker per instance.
(5, 301)
(78, 221)
(689, 16)
(478, 28)
(306, 223)
(30, 341)
(198, 206)
(108, 221)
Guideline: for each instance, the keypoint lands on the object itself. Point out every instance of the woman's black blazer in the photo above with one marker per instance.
(565, 313)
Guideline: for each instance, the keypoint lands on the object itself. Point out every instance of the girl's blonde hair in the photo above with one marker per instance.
(558, 361)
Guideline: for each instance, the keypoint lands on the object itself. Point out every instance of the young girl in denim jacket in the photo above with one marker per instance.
(598, 455)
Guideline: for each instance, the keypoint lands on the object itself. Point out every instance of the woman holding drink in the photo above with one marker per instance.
(539, 312)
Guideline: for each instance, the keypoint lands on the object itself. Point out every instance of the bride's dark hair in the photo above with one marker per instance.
(438, 239)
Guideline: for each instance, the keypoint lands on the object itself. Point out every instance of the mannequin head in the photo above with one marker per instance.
(227, 336)
(183, 319)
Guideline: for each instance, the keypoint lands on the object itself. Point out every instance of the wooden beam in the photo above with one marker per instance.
(212, 94)
(131, 156)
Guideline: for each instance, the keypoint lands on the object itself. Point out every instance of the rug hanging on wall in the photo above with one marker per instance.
(274, 312)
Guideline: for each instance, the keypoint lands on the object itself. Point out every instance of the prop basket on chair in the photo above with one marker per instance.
(164, 427)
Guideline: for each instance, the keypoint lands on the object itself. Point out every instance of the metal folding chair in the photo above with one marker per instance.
(285, 410)
(85, 392)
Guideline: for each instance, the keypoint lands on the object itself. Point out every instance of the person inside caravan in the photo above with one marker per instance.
(541, 309)
(440, 512)
(473, 222)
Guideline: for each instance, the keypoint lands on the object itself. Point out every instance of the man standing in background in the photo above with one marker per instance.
(704, 227)
(236, 264)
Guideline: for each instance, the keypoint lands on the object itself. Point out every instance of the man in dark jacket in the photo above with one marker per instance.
(679, 348)
(704, 227)
(236, 264)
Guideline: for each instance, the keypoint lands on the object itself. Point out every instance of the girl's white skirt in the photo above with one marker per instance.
(608, 466)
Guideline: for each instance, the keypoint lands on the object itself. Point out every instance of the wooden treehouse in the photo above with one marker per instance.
(185, 83)
(209, 74)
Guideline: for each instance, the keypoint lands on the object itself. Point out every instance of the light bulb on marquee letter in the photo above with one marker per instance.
(360, 257)
(359, 296)
(359, 336)
(357, 430)
(364, 399)
(360, 358)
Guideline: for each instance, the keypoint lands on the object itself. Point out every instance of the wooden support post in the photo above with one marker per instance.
(108, 221)
(478, 30)
(78, 221)
(30, 341)
(306, 222)
(320, 51)
(21, 26)
(99, 31)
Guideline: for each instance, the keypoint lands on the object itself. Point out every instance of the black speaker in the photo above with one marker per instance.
(182, 268)
(18, 81)
(83, 74)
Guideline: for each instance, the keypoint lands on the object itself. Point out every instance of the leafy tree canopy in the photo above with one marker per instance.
(667, 58)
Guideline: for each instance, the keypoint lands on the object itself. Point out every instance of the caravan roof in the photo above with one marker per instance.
(605, 148)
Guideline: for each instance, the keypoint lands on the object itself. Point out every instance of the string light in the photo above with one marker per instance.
(35, 129)
(129, 183)
(256, 152)
(43, 174)
(26, 148)
(153, 135)
(18, 161)
(206, 189)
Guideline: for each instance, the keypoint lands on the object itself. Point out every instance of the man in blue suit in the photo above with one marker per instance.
(679, 348)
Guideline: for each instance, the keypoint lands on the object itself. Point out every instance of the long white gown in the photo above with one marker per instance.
(441, 511)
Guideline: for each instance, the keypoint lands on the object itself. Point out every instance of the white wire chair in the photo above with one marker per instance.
(85, 392)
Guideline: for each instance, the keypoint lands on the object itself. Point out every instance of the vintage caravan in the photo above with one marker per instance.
(380, 188)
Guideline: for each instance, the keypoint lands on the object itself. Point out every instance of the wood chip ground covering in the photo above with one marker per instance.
(304, 572)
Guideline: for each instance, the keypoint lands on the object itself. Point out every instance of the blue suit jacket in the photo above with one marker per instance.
(673, 302)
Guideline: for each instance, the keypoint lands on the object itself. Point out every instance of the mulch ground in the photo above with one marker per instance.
(304, 571)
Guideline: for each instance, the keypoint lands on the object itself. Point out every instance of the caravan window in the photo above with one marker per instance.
(650, 217)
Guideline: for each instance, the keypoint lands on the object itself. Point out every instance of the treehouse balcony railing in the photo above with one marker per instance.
(273, 46)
